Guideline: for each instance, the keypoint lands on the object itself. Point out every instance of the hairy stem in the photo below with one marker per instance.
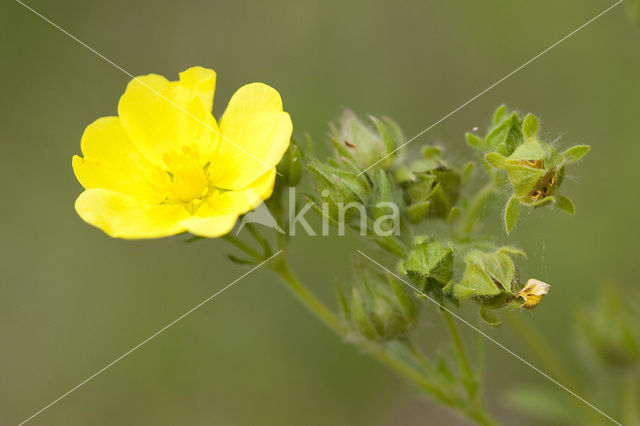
(475, 409)
(462, 354)
(421, 374)
(473, 211)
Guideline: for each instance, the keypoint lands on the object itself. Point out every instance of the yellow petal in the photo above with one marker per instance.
(122, 216)
(220, 211)
(210, 227)
(256, 133)
(162, 117)
(203, 82)
(111, 161)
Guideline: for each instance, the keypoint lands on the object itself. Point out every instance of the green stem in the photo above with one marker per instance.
(475, 409)
(462, 354)
(378, 351)
(476, 205)
(308, 299)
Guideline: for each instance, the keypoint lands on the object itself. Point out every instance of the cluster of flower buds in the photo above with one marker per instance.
(535, 168)
(367, 173)
(380, 307)
(358, 182)
(431, 187)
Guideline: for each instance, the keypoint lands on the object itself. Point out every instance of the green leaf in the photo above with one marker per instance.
(496, 160)
(511, 213)
(564, 204)
(489, 317)
(575, 153)
(530, 126)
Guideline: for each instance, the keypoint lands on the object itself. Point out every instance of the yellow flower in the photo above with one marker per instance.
(532, 292)
(163, 165)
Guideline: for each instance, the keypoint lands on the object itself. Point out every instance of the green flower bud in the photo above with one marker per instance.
(535, 168)
(608, 332)
(363, 146)
(504, 135)
(385, 201)
(290, 167)
(488, 276)
(381, 307)
(338, 189)
(431, 187)
(430, 263)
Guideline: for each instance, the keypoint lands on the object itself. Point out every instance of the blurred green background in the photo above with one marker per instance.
(73, 299)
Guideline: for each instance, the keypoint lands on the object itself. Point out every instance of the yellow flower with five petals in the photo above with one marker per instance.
(164, 166)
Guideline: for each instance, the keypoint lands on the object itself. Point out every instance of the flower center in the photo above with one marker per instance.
(188, 181)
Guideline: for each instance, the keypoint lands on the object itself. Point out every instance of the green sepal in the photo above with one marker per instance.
(499, 113)
(432, 260)
(575, 153)
(290, 167)
(384, 191)
(564, 204)
(506, 135)
(543, 201)
(403, 175)
(530, 126)
(405, 301)
(476, 142)
(532, 149)
(417, 211)
(454, 213)
(511, 213)
(360, 318)
(486, 274)
(239, 260)
(523, 179)
(496, 160)
(467, 172)
(388, 141)
(343, 303)
(489, 317)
